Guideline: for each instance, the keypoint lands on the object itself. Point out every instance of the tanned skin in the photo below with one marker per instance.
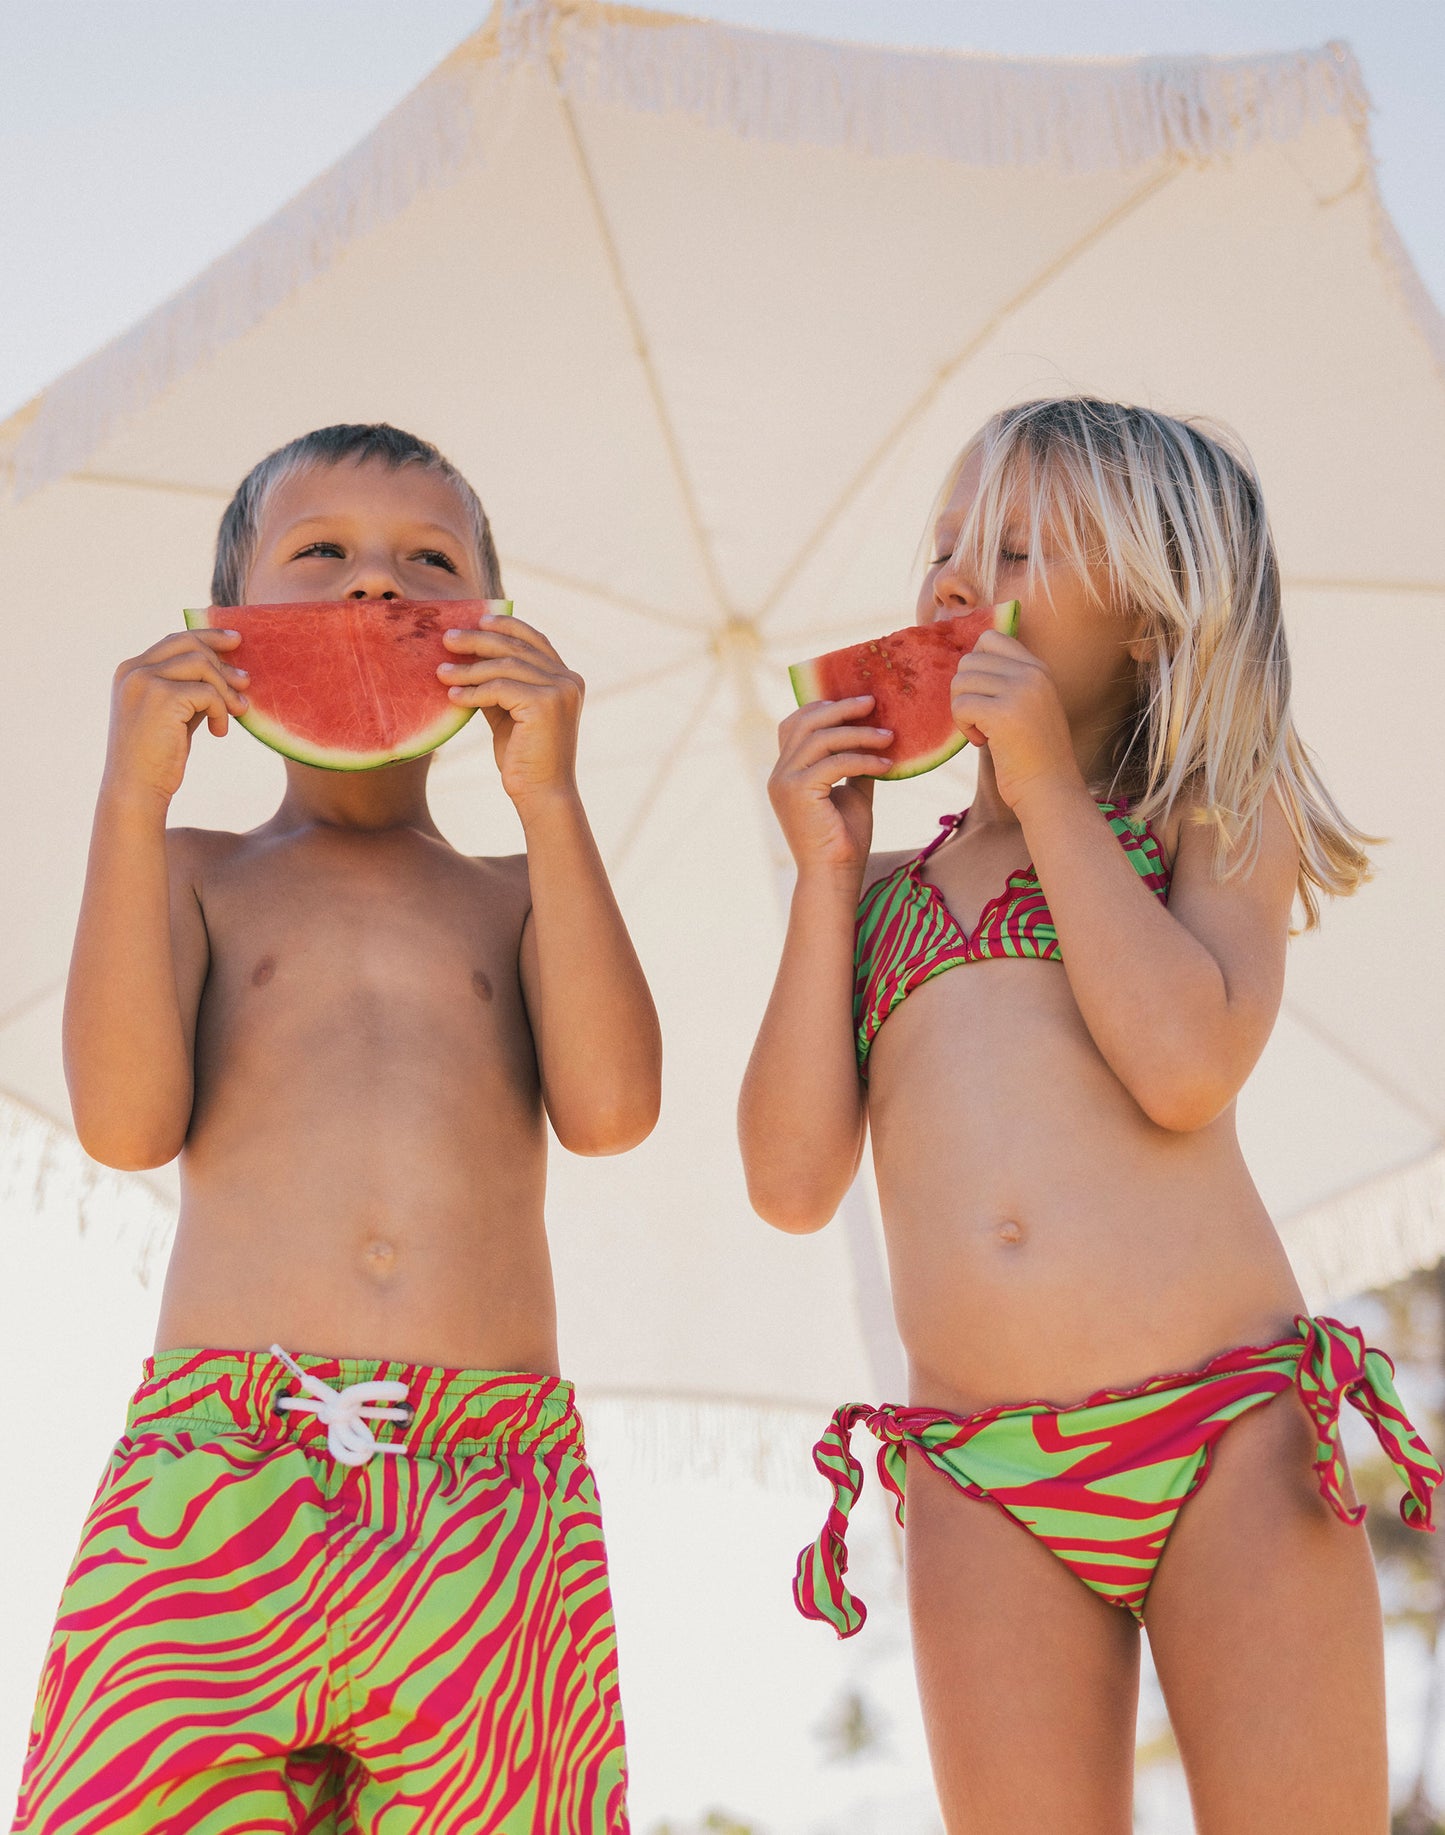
(352, 1034)
(1067, 1209)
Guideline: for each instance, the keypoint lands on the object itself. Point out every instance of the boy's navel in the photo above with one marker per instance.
(1010, 1231)
(263, 971)
(481, 987)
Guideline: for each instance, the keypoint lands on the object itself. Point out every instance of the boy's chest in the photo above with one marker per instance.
(370, 938)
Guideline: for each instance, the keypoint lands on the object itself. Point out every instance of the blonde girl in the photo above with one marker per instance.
(1067, 1210)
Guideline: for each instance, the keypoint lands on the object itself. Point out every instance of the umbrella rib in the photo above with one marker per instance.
(661, 772)
(1380, 1079)
(612, 691)
(635, 607)
(947, 371)
(722, 602)
(117, 480)
(1306, 583)
(461, 754)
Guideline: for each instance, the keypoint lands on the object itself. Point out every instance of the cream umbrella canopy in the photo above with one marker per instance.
(704, 313)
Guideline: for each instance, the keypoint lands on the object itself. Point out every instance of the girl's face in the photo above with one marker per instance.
(1089, 647)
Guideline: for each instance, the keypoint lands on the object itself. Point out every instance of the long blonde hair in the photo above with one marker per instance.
(1172, 513)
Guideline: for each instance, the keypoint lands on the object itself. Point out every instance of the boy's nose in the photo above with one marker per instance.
(374, 581)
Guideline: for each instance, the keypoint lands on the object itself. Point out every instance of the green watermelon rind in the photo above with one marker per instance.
(807, 686)
(322, 758)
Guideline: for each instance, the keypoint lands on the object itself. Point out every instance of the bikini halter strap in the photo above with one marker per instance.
(947, 825)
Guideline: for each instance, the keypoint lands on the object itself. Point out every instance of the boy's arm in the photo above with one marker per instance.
(599, 1047)
(140, 955)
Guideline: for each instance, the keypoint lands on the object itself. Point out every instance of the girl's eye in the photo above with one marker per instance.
(1007, 554)
(332, 550)
(435, 558)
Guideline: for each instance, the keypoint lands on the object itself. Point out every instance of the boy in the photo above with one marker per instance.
(354, 1580)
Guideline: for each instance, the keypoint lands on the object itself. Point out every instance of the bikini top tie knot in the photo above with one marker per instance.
(344, 1413)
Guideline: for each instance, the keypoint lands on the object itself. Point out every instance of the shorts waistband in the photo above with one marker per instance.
(444, 1410)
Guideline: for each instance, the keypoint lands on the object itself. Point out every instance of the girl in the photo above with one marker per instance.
(1067, 1210)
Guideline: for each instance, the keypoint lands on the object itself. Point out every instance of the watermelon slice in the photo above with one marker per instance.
(348, 684)
(908, 673)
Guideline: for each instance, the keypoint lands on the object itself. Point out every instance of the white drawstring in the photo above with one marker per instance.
(345, 1412)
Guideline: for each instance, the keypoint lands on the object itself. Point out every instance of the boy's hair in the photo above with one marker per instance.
(1173, 513)
(356, 444)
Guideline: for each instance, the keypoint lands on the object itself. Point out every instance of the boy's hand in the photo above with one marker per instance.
(828, 824)
(1004, 697)
(532, 702)
(158, 700)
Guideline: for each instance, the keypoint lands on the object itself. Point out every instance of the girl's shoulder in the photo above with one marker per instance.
(1197, 839)
(881, 866)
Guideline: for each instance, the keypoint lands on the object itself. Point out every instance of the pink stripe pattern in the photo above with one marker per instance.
(255, 1636)
(1101, 1482)
(905, 933)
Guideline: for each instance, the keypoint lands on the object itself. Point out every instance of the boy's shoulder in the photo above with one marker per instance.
(202, 847)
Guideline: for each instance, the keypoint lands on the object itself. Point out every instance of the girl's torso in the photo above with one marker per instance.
(1045, 1238)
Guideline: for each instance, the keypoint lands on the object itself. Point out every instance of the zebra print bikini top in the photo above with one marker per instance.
(905, 934)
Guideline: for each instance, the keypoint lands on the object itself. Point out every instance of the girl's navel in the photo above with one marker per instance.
(481, 987)
(263, 971)
(1010, 1232)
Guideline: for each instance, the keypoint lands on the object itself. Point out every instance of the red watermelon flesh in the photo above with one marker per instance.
(348, 684)
(909, 674)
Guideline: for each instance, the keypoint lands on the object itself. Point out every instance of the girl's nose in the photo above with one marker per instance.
(952, 593)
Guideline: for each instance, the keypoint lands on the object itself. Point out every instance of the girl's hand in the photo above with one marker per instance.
(826, 823)
(1004, 697)
(158, 700)
(532, 702)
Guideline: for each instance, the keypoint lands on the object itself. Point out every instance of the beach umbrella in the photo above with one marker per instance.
(704, 313)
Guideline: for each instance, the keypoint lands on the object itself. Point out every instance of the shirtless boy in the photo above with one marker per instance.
(345, 1569)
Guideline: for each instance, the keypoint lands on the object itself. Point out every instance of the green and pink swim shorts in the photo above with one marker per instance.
(324, 1595)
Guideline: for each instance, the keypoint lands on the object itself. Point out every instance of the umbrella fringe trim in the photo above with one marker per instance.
(46, 1173)
(1080, 114)
(1372, 1235)
(661, 1439)
(1086, 114)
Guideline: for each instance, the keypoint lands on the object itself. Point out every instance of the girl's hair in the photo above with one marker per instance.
(1174, 517)
(372, 442)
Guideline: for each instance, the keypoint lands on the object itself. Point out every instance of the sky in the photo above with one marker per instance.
(139, 139)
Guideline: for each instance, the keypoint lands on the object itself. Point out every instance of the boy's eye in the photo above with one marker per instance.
(330, 549)
(435, 558)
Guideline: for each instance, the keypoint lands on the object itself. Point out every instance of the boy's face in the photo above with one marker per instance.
(364, 531)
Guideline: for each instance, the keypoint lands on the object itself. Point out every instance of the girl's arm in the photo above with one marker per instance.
(802, 1115)
(140, 954)
(599, 1047)
(1179, 1001)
